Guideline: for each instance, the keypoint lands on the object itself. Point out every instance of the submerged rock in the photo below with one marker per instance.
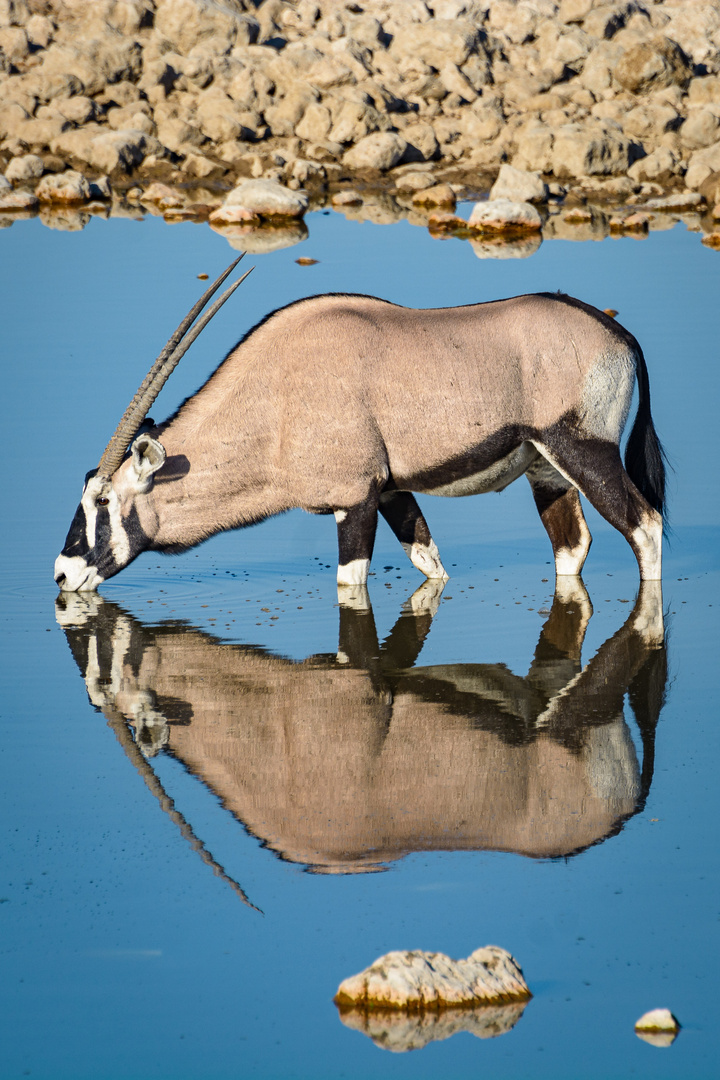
(423, 980)
(437, 195)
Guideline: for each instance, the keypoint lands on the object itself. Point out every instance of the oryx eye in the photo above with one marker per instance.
(102, 501)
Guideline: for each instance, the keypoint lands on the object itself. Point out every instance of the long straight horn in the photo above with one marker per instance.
(155, 379)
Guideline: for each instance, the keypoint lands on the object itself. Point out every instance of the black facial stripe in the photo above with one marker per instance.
(103, 552)
(76, 540)
(104, 559)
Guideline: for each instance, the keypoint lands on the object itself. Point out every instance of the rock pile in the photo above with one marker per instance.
(622, 95)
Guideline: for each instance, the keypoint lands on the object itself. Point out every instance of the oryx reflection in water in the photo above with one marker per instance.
(346, 762)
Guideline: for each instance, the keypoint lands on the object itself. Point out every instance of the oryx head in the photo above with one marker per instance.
(107, 532)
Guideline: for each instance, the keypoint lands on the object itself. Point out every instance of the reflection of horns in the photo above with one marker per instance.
(119, 725)
(161, 370)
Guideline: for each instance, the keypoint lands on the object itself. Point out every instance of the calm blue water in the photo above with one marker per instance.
(124, 955)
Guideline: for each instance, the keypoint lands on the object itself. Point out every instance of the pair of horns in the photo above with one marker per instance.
(161, 370)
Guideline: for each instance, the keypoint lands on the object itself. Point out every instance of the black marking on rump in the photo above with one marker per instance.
(645, 458)
(595, 467)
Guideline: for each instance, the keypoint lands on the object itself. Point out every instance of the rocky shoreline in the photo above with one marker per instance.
(578, 118)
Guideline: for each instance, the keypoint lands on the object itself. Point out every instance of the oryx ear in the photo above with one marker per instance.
(148, 455)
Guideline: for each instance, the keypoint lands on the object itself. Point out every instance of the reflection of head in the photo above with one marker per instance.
(349, 761)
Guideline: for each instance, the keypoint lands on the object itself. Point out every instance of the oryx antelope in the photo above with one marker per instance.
(346, 405)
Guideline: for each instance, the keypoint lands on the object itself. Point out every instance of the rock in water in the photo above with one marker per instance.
(503, 215)
(424, 980)
(267, 198)
(658, 1027)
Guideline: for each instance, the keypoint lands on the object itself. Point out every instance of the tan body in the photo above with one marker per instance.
(337, 394)
(348, 404)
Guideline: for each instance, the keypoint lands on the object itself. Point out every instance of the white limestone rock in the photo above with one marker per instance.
(436, 42)
(519, 185)
(657, 1027)
(66, 187)
(677, 202)
(424, 980)
(25, 167)
(382, 150)
(504, 215)
(702, 164)
(17, 200)
(659, 166)
(267, 198)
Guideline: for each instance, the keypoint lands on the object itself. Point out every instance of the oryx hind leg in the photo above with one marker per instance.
(405, 518)
(356, 528)
(558, 504)
(594, 466)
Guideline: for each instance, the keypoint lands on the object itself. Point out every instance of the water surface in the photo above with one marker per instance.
(199, 847)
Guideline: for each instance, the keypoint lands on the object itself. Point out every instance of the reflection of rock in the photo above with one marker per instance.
(350, 760)
(398, 1030)
(429, 980)
(64, 219)
(260, 240)
(506, 249)
(586, 223)
(376, 207)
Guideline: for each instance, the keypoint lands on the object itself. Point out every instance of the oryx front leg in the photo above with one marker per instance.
(356, 539)
(405, 518)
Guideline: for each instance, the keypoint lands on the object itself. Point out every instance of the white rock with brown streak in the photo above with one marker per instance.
(267, 198)
(425, 980)
(658, 1027)
(504, 215)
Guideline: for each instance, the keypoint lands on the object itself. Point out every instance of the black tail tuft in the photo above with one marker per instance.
(644, 456)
